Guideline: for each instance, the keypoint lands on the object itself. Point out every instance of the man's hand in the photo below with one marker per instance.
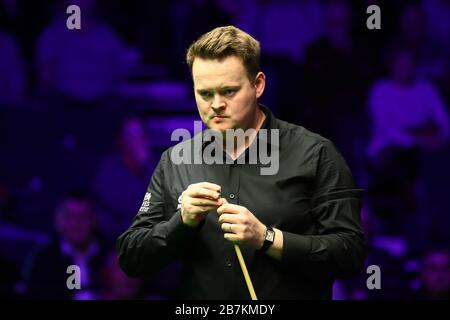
(197, 200)
(240, 225)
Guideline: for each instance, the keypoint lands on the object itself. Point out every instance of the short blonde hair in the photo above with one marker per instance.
(223, 42)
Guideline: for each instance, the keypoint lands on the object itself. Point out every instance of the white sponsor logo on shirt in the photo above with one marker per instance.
(146, 203)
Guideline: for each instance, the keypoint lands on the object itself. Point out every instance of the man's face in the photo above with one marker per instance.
(436, 272)
(133, 140)
(76, 222)
(225, 97)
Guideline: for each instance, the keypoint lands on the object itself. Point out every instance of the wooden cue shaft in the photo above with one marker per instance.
(251, 290)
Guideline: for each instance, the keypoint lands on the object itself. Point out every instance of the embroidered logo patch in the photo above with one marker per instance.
(146, 203)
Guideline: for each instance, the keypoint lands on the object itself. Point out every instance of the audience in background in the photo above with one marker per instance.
(320, 61)
(389, 254)
(122, 178)
(77, 242)
(337, 65)
(412, 34)
(283, 48)
(278, 39)
(335, 76)
(408, 117)
(406, 112)
(435, 276)
(116, 285)
(84, 65)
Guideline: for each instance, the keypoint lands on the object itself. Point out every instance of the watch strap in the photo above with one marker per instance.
(267, 242)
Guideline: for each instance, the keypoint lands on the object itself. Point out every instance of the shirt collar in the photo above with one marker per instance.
(268, 124)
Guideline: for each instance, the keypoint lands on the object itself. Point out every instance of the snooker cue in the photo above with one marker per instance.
(248, 281)
(251, 290)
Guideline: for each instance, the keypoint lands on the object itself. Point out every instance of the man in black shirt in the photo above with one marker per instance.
(297, 222)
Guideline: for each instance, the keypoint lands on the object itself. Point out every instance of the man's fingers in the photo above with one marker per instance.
(229, 208)
(204, 202)
(203, 193)
(210, 186)
(203, 209)
(228, 218)
(232, 227)
(232, 237)
(226, 227)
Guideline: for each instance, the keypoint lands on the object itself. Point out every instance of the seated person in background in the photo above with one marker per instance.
(406, 112)
(408, 117)
(77, 243)
(389, 254)
(435, 276)
(116, 285)
(122, 177)
(84, 65)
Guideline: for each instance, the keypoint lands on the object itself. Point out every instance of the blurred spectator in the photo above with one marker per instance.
(389, 254)
(406, 112)
(287, 27)
(412, 33)
(335, 78)
(116, 285)
(85, 65)
(320, 60)
(143, 24)
(25, 19)
(186, 26)
(336, 70)
(12, 75)
(412, 27)
(435, 276)
(408, 116)
(122, 178)
(77, 243)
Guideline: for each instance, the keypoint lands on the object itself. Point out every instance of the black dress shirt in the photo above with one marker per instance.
(312, 199)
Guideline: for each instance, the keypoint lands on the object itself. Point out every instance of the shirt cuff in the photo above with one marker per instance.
(296, 248)
(177, 229)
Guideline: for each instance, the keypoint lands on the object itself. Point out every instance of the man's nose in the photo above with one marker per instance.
(218, 102)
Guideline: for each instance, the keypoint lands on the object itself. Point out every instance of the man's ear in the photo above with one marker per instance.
(260, 83)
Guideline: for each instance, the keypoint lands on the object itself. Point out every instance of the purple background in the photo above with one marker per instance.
(91, 110)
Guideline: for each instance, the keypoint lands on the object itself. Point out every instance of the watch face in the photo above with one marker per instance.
(270, 235)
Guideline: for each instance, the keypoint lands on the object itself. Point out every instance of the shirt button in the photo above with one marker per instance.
(228, 264)
(231, 196)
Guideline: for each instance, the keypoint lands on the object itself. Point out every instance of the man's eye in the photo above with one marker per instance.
(205, 94)
(229, 92)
